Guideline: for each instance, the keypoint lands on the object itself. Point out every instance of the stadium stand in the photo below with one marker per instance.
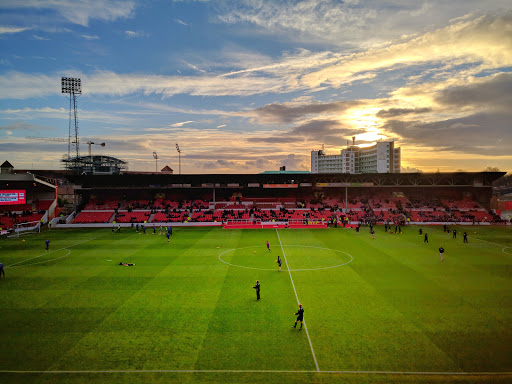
(87, 217)
(132, 217)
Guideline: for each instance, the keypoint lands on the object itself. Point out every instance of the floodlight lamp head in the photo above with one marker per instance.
(155, 156)
(71, 85)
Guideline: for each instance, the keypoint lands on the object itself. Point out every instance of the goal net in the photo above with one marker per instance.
(24, 228)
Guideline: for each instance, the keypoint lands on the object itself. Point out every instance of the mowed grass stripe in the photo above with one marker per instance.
(248, 334)
(447, 313)
(352, 324)
(147, 325)
(382, 310)
(54, 325)
(464, 289)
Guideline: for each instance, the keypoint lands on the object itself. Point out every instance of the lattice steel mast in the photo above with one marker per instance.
(73, 87)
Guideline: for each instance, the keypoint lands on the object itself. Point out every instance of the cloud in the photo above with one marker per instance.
(180, 22)
(6, 29)
(493, 92)
(316, 130)
(135, 34)
(181, 124)
(77, 12)
(410, 170)
(291, 112)
(393, 112)
(483, 42)
(482, 133)
(22, 85)
(40, 37)
(275, 139)
(347, 24)
(295, 162)
(90, 37)
(23, 126)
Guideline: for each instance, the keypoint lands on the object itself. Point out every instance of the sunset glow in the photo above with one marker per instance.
(248, 86)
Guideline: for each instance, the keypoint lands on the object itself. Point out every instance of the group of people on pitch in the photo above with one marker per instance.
(299, 313)
(257, 287)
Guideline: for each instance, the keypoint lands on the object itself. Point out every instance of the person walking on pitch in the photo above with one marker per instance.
(268, 246)
(278, 261)
(465, 237)
(2, 272)
(441, 251)
(300, 317)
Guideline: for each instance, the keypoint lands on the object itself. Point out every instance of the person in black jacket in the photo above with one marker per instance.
(300, 317)
(257, 288)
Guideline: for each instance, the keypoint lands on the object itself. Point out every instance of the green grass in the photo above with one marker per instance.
(391, 305)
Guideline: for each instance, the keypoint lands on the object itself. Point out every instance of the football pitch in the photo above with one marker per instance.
(381, 310)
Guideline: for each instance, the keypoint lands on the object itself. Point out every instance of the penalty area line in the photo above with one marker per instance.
(298, 302)
(409, 373)
(47, 253)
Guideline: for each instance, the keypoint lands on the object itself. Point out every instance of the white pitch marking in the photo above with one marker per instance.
(42, 262)
(293, 270)
(410, 373)
(490, 242)
(47, 253)
(298, 302)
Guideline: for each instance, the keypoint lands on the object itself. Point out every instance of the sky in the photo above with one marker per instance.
(245, 86)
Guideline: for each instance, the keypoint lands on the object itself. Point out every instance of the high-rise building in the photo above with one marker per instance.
(381, 157)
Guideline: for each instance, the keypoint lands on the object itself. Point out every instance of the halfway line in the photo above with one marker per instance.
(298, 302)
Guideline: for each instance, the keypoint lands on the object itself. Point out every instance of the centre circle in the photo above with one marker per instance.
(310, 258)
(503, 250)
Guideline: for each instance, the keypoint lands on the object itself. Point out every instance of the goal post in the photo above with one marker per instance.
(28, 227)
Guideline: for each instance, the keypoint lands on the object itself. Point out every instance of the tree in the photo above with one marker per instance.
(491, 169)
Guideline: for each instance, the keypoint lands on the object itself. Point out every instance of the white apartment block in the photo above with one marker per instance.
(382, 157)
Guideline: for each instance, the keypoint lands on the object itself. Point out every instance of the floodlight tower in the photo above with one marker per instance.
(73, 87)
(179, 156)
(155, 156)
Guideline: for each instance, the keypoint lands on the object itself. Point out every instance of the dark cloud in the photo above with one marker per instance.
(275, 140)
(285, 113)
(483, 133)
(222, 164)
(495, 93)
(394, 112)
(261, 163)
(327, 131)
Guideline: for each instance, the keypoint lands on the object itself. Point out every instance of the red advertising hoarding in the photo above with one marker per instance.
(9, 197)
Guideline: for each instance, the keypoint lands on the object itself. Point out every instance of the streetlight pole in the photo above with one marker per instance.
(155, 156)
(179, 156)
